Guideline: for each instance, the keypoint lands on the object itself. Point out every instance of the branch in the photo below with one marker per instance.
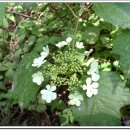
(21, 14)
(47, 118)
(72, 11)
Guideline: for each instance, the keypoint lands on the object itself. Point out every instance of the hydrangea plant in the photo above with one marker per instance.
(67, 66)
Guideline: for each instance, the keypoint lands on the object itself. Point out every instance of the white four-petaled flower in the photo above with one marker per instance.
(79, 45)
(63, 43)
(75, 99)
(41, 60)
(48, 94)
(90, 87)
(38, 62)
(38, 78)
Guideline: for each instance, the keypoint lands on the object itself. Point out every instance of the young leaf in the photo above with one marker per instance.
(104, 108)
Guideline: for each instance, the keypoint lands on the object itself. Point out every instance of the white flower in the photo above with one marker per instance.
(79, 45)
(38, 62)
(38, 78)
(90, 87)
(45, 52)
(75, 99)
(93, 71)
(61, 44)
(69, 39)
(48, 94)
(87, 53)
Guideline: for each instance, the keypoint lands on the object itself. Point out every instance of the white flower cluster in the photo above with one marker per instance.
(91, 85)
(91, 82)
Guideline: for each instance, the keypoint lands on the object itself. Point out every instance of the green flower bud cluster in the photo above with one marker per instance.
(68, 61)
(73, 82)
(65, 68)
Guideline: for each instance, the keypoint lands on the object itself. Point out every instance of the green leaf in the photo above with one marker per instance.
(21, 34)
(5, 23)
(2, 86)
(115, 13)
(103, 109)
(11, 17)
(122, 48)
(54, 39)
(2, 12)
(91, 34)
(40, 43)
(24, 90)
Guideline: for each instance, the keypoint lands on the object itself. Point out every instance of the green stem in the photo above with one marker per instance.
(75, 33)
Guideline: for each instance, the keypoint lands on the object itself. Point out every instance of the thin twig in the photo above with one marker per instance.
(15, 112)
(4, 118)
(72, 11)
(21, 14)
(47, 118)
(89, 6)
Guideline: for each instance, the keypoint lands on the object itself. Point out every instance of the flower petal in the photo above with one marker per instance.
(43, 91)
(69, 39)
(94, 91)
(71, 96)
(48, 100)
(95, 85)
(80, 97)
(54, 96)
(48, 87)
(94, 66)
(64, 43)
(38, 62)
(88, 81)
(61, 44)
(77, 103)
(89, 61)
(53, 88)
(72, 102)
(84, 87)
(89, 93)
(95, 77)
(87, 53)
